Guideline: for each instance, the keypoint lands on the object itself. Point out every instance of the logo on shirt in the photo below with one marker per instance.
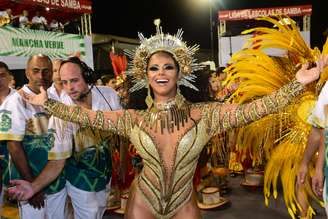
(37, 125)
(5, 121)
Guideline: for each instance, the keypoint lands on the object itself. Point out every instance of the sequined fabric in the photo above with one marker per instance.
(170, 158)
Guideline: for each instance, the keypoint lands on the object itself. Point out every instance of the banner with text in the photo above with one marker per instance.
(245, 14)
(20, 42)
(77, 6)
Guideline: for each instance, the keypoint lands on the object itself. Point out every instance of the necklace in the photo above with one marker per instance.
(169, 115)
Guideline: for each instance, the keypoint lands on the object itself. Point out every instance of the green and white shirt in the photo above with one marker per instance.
(5, 123)
(88, 164)
(28, 124)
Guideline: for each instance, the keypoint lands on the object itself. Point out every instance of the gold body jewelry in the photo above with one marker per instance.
(170, 154)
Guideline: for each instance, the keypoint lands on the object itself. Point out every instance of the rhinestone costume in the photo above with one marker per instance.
(170, 158)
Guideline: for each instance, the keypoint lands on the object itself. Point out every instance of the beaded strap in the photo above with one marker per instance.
(221, 117)
(269, 104)
(77, 114)
(67, 113)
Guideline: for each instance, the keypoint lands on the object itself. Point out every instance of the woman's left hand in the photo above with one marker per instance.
(306, 75)
(38, 99)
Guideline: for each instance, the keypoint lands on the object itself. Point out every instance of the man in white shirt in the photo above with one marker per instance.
(29, 142)
(23, 20)
(39, 22)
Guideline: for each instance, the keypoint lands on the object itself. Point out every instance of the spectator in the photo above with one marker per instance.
(5, 92)
(28, 143)
(56, 26)
(57, 86)
(23, 20)
(39, 22)
(73, 27)
(6, 17)
(109, 80)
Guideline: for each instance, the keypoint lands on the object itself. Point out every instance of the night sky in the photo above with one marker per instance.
(127, 18)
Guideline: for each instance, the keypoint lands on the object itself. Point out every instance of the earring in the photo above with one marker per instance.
(178, 90)
(179, 98)
(149, 100)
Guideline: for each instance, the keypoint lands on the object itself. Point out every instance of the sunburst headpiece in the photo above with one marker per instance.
(172, 44)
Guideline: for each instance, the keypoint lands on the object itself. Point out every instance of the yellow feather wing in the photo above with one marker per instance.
(281, 146)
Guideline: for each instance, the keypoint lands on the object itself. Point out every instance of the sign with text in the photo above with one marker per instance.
(21, 42)
(245, 14)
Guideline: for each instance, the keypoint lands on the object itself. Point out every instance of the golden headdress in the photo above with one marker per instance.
(172, 44)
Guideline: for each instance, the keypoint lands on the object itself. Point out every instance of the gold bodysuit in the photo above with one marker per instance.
(170, 157)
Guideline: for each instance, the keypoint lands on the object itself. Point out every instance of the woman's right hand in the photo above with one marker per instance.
(38, 99)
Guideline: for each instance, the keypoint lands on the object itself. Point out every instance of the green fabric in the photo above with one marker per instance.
(4, 161)
(90, 169)
(36, 149)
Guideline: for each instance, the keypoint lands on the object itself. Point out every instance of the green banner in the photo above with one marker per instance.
(26, 42)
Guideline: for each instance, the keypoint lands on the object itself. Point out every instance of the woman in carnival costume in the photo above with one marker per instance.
(172, 132)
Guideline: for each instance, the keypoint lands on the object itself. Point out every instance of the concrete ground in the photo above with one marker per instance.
(246, 204)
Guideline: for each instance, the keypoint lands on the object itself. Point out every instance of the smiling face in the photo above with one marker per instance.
(162, 72)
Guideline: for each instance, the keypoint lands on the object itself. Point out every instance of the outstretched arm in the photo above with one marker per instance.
(120, 121)
(227, 116)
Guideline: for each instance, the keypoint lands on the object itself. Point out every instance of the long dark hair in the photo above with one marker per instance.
(137, 98)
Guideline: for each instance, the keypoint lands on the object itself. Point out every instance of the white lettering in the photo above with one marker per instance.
(292, 11)
(55, 2)
(42, 1)
(74, 4)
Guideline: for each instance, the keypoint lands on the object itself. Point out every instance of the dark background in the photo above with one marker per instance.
(126, 18)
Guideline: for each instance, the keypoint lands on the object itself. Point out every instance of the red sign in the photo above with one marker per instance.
(77, 6)
(245, 14)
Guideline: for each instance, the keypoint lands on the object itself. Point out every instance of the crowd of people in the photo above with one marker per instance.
(77, 165)
(24, 20)
(57, 133)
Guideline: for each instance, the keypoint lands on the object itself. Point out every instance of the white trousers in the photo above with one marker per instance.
(54, 207)
(87, 205)
(324, 196)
